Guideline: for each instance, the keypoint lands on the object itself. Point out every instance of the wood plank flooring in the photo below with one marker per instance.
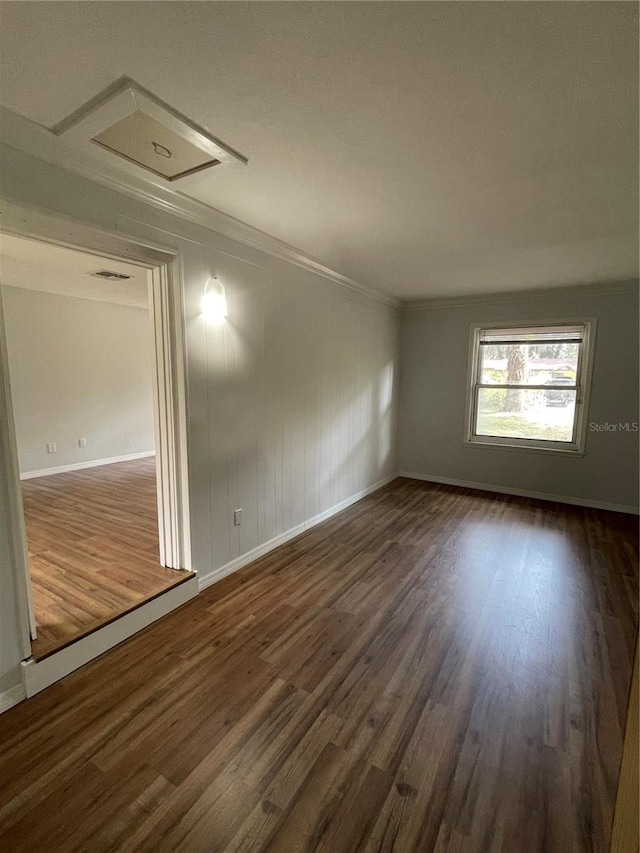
(93, 548)
(434, 669)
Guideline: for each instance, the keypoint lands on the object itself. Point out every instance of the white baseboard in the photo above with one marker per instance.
(36, 675)
(229, 568)
(11, 697)
(522, 493)
(80, 466)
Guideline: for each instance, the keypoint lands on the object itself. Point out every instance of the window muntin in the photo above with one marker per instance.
(528, 386)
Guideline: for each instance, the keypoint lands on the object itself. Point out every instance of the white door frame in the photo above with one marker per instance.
(167, 317)
(17, 536)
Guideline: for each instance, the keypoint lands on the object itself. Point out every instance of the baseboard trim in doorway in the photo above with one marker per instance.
(11, 697)
(37, 675)
(80, 466)
(521, 493)
(216, 575)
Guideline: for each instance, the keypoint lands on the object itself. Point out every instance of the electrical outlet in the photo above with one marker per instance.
(237, 517)
(51, 447)
(82, 442)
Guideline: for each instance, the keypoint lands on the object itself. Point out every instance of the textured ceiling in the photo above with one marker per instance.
(420, 148)
(55, 269)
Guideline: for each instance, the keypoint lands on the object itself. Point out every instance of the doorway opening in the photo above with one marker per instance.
(87, 341)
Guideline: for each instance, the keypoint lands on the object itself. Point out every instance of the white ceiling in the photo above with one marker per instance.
(419, 148)
(56, 269)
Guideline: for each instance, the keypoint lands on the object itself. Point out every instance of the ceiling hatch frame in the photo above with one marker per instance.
(105, 125)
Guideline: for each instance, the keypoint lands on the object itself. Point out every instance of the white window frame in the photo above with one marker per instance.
(582, 387)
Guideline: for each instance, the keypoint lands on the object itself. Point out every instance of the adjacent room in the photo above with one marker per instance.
(319, 396)
(80, 356)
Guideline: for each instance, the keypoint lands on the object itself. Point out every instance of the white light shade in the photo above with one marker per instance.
(214, 302)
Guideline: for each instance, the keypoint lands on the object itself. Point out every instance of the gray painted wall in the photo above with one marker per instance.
(291, 402)
(79, 369)
(434, 366)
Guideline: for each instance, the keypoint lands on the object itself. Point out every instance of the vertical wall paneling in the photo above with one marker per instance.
(295, 380)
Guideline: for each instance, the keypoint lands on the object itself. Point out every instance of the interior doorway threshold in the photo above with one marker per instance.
(40, 674)
(181, 576)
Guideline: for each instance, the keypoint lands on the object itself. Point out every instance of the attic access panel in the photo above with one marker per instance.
(143, 140)
(128, 122)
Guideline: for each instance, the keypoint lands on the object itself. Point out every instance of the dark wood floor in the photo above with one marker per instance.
(434, 669)
(93, 548)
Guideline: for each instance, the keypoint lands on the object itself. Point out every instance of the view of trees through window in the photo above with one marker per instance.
(541, 405)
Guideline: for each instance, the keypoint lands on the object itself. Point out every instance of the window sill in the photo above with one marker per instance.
(499, 445)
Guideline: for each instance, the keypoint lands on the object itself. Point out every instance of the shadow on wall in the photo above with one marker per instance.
(290, 437)
(292, 402)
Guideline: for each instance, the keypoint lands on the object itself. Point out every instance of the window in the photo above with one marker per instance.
(529, 386)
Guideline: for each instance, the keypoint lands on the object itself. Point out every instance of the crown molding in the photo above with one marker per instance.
(24, 135)
(572, 291)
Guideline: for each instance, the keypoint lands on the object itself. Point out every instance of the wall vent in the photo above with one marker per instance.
(130, 123)
(110, 275)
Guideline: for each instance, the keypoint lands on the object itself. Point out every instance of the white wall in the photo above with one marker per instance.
(291, 403)
(79, 369)
(435, 356)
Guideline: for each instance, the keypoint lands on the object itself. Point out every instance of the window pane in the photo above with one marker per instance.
(545, 363)
(519, 413)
